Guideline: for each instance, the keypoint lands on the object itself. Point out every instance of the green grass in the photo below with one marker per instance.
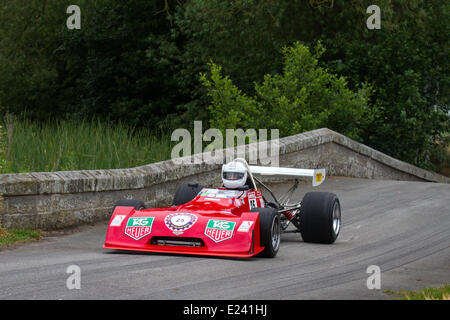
(438, 293)
(14, 236)
(27, 146)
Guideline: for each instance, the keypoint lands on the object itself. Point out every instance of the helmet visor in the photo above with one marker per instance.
(233, 175)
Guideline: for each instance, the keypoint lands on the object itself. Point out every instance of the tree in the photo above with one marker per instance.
(119, 65)
(405, 62)
(304, 97)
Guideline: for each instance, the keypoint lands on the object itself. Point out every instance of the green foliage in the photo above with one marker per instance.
(79, 145)
(406, 62)
(243, 37)
(304, 97)
(117, 66)
(15, 236)
(434, 293)
(120, 63)
(140, 62)
(28, 77)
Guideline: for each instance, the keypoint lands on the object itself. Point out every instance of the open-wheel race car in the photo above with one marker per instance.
(234, 220)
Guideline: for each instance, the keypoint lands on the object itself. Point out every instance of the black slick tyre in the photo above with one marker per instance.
(320, 217)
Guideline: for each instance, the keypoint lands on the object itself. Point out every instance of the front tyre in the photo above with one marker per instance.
(186, 192)
(137, 204)
(320, 217)
(270, 231)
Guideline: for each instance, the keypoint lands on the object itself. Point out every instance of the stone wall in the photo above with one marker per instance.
(55, 200)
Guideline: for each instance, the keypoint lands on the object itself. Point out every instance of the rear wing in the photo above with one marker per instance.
(317, 175)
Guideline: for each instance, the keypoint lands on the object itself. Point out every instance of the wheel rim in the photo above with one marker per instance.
(336, 217)
(276, 233)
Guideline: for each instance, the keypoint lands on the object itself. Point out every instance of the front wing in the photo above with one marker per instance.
(159, 231)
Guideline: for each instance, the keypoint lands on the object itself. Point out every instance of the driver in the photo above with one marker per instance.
(234, 175)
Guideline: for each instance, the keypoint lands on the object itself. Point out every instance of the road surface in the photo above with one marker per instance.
(401, 227)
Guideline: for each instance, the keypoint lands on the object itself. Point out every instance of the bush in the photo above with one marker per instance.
(304, 97)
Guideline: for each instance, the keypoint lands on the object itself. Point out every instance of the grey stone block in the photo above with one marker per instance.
(18, 184)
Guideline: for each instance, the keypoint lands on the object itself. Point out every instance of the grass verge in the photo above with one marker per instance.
(27, 146)
(437, 293)
(16, 236)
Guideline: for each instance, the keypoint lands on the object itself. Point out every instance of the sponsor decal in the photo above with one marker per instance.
(219, 193)
(117, 221)
(212, 199)
(237, 202)
(252, 203)
(245, 226)
(318, 176)
(253, 197)
(219, 230)
(180, 222)
(139, 227)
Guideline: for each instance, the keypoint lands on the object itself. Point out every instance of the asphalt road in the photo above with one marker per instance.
(401, 227)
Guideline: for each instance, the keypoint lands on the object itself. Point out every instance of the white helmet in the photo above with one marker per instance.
(234, 175)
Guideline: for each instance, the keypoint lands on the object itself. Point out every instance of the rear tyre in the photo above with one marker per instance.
(320, 217)
(137, 204)
(270, 231)
(186, 192)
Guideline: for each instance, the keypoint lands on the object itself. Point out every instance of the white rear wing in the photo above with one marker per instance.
(317, 175)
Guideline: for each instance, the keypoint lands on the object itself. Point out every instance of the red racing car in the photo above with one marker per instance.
(234, 220)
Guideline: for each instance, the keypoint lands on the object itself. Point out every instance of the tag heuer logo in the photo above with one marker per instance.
(219, 230)
(139, 227)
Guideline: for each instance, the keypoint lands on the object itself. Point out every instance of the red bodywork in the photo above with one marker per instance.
(216, 222)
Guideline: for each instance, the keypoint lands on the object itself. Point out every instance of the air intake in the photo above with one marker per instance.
(177, 241)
